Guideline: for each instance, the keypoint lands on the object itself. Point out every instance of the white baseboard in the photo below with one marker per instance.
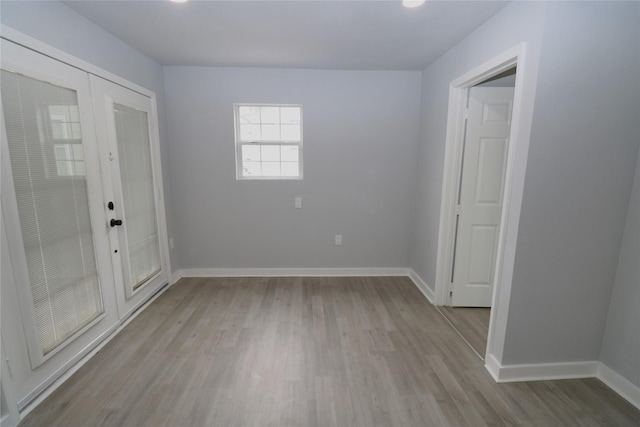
(561, 371)
(175, 276)
(422, 286)
(619, 384)
(288, 272)
(493, 366)
(540, 371)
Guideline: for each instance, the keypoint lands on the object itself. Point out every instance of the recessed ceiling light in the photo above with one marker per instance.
(179, 1)
(412, 3)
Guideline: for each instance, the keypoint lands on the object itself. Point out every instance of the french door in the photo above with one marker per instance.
(81, 201)
(133, 190)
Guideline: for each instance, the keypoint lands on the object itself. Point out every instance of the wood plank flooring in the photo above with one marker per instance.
(307, 352)
(472, 323)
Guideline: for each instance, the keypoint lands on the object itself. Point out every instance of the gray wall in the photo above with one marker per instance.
(582, 157)
(621, 343)
(360, 136)
(583, 150)
(57, 25)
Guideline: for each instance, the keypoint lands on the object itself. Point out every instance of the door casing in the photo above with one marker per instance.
(513, 190)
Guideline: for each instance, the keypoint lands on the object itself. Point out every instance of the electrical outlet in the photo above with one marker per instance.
(338, 239)
(298, 202)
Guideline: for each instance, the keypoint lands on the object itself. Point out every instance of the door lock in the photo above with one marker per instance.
(115, 222)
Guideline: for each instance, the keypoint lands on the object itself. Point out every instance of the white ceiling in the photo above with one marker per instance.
(356, 35)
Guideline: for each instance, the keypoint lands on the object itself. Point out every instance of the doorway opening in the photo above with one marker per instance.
(486, 126)
(498, 181)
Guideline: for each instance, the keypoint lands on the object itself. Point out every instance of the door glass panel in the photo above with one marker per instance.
(46, 153)
(136, 174)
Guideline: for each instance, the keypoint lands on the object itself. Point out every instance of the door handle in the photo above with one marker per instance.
(115, 222)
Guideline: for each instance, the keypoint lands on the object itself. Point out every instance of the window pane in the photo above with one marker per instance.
(249, 114)
(54, 211)
(64, 168)
(270, 153)
(136, 175)
(251, 153)
(270, 115)
(57, 130)
(270, 132)
(250, 168)
(75, 130)
(290, 115)
(78, 152)
(270, 168)
(249, 133)
(289, 153)
(290, 132)
(65, 121)
(275, 137)
(79, 168)
(290, 169)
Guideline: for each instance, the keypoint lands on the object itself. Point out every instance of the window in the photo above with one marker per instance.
(268, 141)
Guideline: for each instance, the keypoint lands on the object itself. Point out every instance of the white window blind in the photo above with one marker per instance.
(268, 141)
(136, 174)
(47, 163)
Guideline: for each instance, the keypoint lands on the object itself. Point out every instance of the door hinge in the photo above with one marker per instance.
(450, 294)
(458, 209)
(465, 113)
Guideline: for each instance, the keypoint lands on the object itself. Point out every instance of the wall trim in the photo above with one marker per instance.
(492, 365)
(176, 275)
(562, 371)
(422, 286)
(288, 272)
(619, 384)
(540, 371)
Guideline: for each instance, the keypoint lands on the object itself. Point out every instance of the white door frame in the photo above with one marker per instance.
(514, 185)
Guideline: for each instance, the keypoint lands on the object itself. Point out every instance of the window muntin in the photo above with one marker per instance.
(268, 141)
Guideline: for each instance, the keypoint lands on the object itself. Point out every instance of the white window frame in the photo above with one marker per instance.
(239, 143)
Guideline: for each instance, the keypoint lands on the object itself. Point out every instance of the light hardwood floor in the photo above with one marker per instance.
(307, 352)
(472, 323)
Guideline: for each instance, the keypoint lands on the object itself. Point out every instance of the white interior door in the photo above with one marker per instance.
(480, 196)
(127, 133)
